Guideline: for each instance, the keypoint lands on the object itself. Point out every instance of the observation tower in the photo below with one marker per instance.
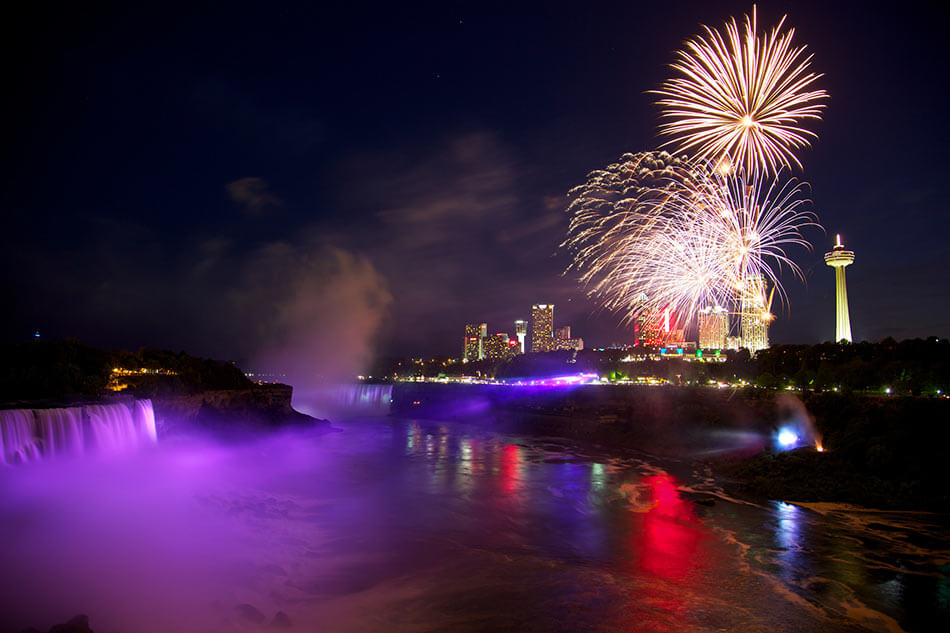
(838, 258)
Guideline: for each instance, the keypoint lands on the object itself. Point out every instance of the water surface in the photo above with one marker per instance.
(403, 525)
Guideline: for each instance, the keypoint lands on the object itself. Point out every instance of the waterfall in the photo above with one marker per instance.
(32, 434)
(60, 431)
(143, 415)
(366, 396)
(18, 442)
(111, 428)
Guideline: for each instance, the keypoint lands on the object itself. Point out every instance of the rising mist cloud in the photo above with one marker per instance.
(314, 312)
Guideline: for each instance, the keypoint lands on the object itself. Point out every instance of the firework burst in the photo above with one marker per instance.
(653, 234)
(741, 99)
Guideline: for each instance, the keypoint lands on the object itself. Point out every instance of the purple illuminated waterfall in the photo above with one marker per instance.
(366, 396)
(60, 431)
(18, 441)
(143, 416)
(31, 434)
(111, 428)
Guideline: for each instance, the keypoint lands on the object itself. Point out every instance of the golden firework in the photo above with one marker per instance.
(741, 98)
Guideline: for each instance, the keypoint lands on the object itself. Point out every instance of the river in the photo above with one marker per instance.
(408, 525)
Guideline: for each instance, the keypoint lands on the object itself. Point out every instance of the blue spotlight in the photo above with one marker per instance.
(787, 438)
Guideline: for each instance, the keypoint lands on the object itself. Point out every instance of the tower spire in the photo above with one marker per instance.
(838, 259)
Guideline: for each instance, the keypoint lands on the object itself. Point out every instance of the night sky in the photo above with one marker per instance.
(224, 178)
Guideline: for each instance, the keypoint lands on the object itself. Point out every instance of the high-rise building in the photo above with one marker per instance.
(542, 327)
(838, 259)
(521, 331)
(563, 341)
(472, 345)
(654, 329)
(754, 317)
(713, 327)
(576, 344)
(499, 346)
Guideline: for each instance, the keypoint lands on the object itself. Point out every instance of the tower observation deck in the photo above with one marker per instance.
(838, 258)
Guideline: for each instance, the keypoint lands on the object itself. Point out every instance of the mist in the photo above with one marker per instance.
(315, 314)
(187, 536)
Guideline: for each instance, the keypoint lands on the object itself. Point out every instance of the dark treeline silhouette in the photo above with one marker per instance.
(913, 366)
(69, 369)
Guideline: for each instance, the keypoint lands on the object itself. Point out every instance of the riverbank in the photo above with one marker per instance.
(884, 452)
(880, 452)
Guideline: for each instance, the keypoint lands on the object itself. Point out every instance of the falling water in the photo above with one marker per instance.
(18, 442)
(60, 431)
(366, 397)
(144, 418)
(32, 434)
(111, 428)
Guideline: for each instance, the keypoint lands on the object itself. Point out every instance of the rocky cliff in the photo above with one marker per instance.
(230, 410)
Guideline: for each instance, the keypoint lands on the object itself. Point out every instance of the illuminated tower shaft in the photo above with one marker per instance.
(838, 259)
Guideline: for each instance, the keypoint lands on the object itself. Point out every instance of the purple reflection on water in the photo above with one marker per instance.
(390, 525)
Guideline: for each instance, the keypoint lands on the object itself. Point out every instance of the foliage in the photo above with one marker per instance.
(69, 369)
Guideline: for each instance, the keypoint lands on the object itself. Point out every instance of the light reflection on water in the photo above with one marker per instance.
(612, 512)
(416, 526)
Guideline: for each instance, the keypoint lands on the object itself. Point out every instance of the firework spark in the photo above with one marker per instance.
(741, 98)
(653, 234)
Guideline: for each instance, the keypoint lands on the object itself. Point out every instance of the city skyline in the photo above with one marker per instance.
(709, 328)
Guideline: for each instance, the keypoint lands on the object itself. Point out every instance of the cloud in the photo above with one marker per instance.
(252, 194)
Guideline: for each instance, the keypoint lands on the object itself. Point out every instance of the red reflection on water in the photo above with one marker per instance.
(668, 542)
(509, 474)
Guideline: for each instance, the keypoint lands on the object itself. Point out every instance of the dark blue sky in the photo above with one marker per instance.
(177, 176)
